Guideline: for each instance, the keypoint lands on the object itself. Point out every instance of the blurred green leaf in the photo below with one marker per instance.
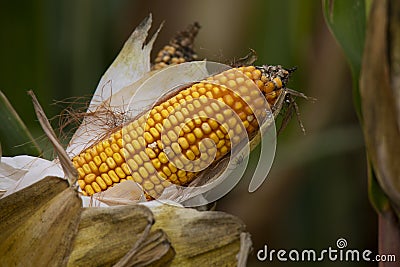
(15, 138)
(346, 20)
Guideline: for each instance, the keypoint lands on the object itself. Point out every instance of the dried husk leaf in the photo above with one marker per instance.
(38, 224)
(106, 234)
(155, 251)
(208, 238)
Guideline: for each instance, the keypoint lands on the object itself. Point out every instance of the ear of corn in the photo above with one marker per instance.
(181, 135)
(179, 49)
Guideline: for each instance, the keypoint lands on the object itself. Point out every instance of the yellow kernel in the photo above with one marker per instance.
(228, 99)
(157, 117)
(190, 155)
(147, 185)
(86, 168)
(121, 174)
(166, 171)
(172, 167)
(149, 167)
(89, 190)
(87, 157)
(111, 163)
(115, 147)
(127, 138)
(197, 121)
(154, 132)
(138, 160)
(190, 124)
(220, 134)
(163, 157)
(156, 163)
(220, 144)
(219, 117)
(143, 172)
(96, 187)
(90, 178)
(206, 128)
(136, 145)
(118, 159)
(215, 106)
(183, 143)
(103, 156)
(150, 152)
(132, 165)
(154, 179)
(103, 168)
(238, 106)
(224, 149)
(106, 179)
(195, 95)
(129, 178)
(214, 137)
(172, 136)
(181, 173)
(125, 168)
(223, 79)
(97, 160)
(198, 133)
(80, 160)
(136, 177)
(148, 137)
(173, 178)
(101, 183)
(176, 148)
(191, 138)
(130, 148)
(213, 124)
(196, 104)
(164, 113)
(179, 116)
(93, 167)
(105, 144)
(195, 150)
(99, 148)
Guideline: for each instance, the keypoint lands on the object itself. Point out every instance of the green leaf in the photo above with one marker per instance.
(377, 197)
(15, 138)
(346, 20)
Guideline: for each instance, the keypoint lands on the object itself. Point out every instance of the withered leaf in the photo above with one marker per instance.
(207, 238)
(38, 224)
(106, 234)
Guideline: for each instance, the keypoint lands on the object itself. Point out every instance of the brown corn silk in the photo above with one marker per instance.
(181, 135)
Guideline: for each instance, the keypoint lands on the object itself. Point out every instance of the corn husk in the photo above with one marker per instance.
(203, 238)
(38, 224)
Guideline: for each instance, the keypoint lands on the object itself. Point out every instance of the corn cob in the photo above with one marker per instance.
(160, 146)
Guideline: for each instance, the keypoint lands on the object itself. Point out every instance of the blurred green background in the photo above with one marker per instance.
(316, 191)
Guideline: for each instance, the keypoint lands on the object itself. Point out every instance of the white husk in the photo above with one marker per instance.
(19, 172)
